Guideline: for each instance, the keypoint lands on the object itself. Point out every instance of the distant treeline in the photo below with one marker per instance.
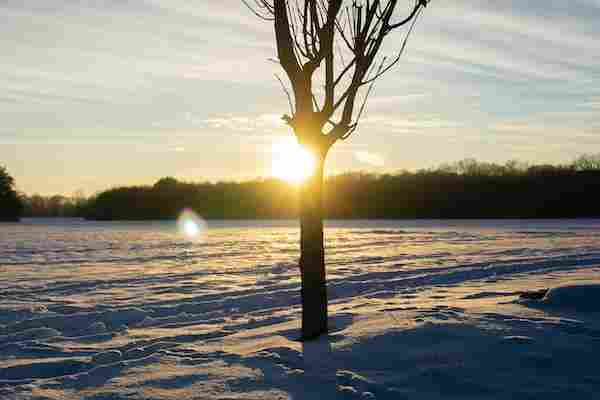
(54, 206)
(466, 189)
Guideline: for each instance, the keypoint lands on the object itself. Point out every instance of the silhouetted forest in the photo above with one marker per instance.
(54, 206)
(11, 206)
(466, 189)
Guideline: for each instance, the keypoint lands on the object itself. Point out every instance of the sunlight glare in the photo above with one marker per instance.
(191, 225)
(291, 162)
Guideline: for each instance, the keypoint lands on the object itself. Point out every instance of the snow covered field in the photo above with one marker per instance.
(419, 310)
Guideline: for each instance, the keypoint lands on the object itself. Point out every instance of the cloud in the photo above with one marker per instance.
(593, 104)
(372, 159)
(482, 77)
(409, 123)
(247, 123)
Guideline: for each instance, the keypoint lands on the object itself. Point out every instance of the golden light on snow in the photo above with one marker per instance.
(291, 162)
(191, 225)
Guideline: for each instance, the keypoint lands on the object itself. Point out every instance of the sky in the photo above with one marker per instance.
(100, 93)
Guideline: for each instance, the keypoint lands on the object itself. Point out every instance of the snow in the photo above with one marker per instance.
(418, 310)
(107, 357)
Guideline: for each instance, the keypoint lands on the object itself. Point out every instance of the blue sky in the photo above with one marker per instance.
(97, 93)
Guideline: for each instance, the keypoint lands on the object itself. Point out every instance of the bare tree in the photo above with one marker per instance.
(330, 52)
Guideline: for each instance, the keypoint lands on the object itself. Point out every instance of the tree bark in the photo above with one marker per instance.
(312, 254)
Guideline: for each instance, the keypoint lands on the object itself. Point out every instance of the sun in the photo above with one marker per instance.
(291, 162)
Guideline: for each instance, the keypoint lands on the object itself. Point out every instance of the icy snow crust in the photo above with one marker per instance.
(427, 310)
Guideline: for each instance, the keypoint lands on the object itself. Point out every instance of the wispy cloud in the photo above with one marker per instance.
(372, 159)
(247, 123)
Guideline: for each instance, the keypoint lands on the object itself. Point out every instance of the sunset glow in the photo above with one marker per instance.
(291, 162)
(299, 199)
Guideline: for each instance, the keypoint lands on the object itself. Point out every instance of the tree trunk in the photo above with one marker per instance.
(312, 254)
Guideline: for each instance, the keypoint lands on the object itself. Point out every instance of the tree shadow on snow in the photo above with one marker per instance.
(310, 372)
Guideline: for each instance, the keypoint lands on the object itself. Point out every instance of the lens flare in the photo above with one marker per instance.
(191, 226)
